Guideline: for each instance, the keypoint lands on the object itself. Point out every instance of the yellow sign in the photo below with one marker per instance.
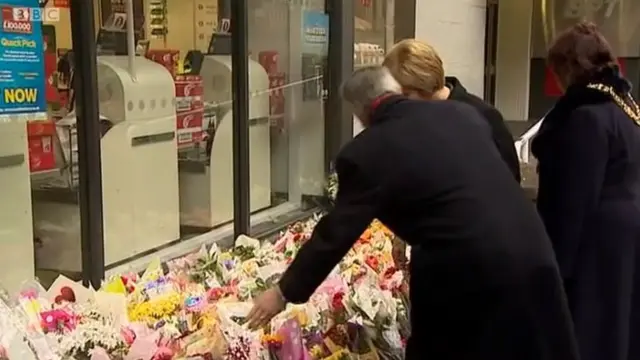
(20, 95)
(18, 43)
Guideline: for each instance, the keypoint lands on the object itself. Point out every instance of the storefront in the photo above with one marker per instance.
(222, 123)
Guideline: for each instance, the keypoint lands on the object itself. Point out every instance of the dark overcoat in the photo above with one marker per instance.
(502, 137)
(484, 282)
(588, 152)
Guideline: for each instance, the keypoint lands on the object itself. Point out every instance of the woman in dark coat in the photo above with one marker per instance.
(588, 151)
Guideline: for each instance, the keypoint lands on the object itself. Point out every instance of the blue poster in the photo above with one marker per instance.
(22, 79)
(315, 32)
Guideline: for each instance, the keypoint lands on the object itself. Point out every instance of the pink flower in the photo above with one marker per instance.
(163, 353)
(57, 320)
(29, 294)
(128, 335)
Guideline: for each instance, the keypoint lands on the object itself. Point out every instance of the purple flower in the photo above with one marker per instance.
(229, 264)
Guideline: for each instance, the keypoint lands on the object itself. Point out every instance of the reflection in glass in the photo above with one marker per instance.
(374, 30)
(288, 45)
(53, 162)
(615, 18)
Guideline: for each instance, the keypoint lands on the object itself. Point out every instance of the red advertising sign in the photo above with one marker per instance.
(16, 20)
(61, 3)
(552, 88)
(276, 94)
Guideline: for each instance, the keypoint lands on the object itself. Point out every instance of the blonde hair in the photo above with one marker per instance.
(416, 66)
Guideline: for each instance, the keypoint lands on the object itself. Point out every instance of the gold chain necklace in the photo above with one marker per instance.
(630, 107)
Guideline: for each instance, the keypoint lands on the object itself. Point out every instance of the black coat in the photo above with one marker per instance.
(588, 154)
(502, 137)
(484, 282)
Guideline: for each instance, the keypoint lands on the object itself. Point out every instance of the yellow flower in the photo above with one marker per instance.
(155, 309)
(316, 352)
(337, 355)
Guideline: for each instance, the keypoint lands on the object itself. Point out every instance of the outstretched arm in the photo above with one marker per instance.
(356, 205)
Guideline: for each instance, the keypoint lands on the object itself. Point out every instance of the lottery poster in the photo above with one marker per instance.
(22, 78)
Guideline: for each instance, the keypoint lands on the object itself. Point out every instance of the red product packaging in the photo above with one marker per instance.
(186, 139)
(189, 85)
(189, 91)
(269, 61)
(189, 109)
(165, 57)
(40, 135)
(189, 120)
(276, 94)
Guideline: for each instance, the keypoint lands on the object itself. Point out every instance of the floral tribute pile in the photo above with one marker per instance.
(194, 308)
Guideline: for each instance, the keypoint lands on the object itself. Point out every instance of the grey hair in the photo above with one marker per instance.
(366, 85)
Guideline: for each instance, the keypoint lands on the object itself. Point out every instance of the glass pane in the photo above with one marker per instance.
(616, 19)
(166, 116)
(43, 223)
(288, 45)
(374, 30)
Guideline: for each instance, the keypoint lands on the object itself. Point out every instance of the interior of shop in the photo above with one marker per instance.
(166, 127)
(166, 120)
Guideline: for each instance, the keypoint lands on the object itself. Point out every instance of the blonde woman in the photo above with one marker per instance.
(419, 69)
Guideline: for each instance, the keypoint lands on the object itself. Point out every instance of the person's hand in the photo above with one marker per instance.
(265, 307)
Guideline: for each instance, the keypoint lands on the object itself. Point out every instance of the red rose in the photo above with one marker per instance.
(68, 294)
(373, 262)
(390, 272)
(337, 301)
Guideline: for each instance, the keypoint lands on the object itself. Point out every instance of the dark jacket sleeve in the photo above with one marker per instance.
(570, 183)
(355, 207)
(503, 140)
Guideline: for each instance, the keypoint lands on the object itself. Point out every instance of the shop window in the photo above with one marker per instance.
(165, 117)
(373, 34)
(374, 30)
(288, 45)
(38, 164)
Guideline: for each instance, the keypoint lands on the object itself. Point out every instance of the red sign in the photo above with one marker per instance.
(552, 88)
(277, 82)
(50, 67)
(269, 61)
(16, 20)
(61, 3)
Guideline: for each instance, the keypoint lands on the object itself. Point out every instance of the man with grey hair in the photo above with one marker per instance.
(367, 85)
(484, 281)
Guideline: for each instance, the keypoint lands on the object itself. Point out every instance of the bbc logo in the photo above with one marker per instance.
(48, 14)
